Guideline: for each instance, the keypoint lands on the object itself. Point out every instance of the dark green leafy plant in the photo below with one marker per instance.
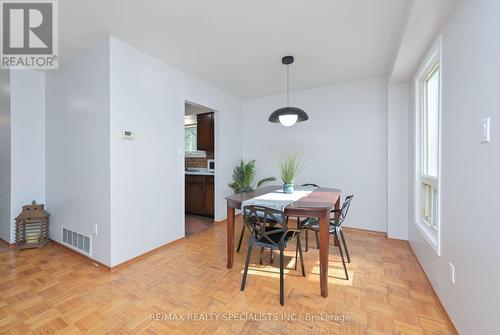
(244, 176)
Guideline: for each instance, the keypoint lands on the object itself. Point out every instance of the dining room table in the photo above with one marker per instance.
(315, 204)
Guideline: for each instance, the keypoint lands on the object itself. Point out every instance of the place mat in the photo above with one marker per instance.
(278, 199)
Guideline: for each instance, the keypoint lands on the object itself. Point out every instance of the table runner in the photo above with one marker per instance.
(278, 199)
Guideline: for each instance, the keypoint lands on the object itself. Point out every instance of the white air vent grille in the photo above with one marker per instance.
(77, 241)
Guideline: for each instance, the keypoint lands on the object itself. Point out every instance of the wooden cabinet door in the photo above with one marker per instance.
(209, 196)
(195, 195)
(205, 132)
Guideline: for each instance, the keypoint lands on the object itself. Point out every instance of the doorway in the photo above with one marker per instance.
(200, 168)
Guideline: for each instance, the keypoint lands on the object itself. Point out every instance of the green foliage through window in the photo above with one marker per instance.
(190, 138)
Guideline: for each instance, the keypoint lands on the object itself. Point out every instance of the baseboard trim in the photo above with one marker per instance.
(418, 262)
(144, 255)
(433, 290)
(9, 245)
(225, 220)
(367, 231)
(112, 269)
(88, 259)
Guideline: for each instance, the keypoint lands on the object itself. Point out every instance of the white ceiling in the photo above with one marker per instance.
(418, 37)
(237, 45)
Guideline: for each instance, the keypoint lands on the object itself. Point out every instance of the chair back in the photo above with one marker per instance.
(266, 225)
(314, 185)
(344, 210)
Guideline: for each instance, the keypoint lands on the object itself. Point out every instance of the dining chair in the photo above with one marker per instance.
(261, 249)
(307, 231)
(269, 229)
(298, 220)
(335, 228)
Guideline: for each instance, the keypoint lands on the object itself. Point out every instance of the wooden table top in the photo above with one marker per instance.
(318, 201)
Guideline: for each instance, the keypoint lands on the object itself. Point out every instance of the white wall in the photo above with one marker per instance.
(470, 171)
(5, 222)
(397, 161)
(27, 140)
(77, 148)
(344, 143)
(147, 174)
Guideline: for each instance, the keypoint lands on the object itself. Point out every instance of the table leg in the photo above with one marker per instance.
(336, 216)
(230, 237)
(324, 236)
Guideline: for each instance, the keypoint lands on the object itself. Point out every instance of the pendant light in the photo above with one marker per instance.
(288, 116)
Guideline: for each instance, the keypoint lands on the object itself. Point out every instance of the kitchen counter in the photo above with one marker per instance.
(199, 173)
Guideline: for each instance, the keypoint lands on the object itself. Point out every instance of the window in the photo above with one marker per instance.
(190, 138)
(428, 111)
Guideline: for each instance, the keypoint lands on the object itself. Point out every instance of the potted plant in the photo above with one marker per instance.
(290, 167)
(244, 176)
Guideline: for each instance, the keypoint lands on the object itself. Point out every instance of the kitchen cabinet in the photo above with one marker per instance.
(205, 132)
(209, 196)
(199, 195)
(194, 194)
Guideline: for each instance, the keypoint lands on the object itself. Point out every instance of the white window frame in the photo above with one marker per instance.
(431, 235)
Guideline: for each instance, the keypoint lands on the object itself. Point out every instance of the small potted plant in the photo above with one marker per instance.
(244, 177)
(290, 167)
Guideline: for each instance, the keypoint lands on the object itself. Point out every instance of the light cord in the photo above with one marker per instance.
(287, 86)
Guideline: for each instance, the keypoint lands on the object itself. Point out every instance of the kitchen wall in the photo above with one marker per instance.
(199, 162)
(5, 222)
(344, 143)
(470, 179)
(77, 148)
(397, 161)
(147, 174)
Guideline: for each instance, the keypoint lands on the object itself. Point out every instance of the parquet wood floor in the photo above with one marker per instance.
(195, 224)
(53, 291)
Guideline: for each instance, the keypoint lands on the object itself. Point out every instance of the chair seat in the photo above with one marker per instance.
(313, 224)
(275, 237)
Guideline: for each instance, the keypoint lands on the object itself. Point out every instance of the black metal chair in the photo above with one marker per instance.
(298, 220)
(335, 228)
(261, 249)
(307, 231)
(269, 229)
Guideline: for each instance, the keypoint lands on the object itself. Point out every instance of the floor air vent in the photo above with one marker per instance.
(77, 241)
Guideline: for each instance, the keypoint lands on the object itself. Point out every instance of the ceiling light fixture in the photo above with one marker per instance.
(288, 116)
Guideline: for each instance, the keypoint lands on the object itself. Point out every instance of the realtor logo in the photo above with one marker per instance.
(29, 34)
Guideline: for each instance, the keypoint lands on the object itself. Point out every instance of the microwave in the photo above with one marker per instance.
(211, 165)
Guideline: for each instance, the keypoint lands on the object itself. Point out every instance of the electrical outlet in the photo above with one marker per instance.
(94, 229)
(451, 273)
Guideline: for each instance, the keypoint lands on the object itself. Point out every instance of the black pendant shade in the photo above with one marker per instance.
(301, 115)
(288, 116)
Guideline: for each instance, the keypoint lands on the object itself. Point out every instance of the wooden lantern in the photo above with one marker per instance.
(32, 227)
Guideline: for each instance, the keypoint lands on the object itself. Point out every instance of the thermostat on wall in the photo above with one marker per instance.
(127, 134)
